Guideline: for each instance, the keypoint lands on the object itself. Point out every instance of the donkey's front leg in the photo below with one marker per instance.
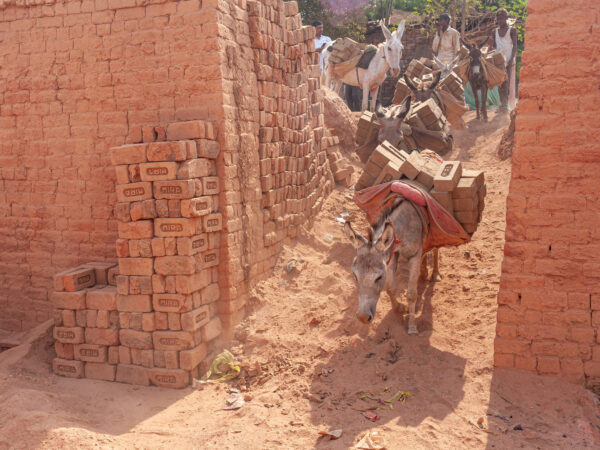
(476, 102)
(484, 94)
(414, 265)
(435, 276)
(374, 93)
(365, 99)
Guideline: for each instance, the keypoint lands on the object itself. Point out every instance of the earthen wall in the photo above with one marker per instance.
(549, 300)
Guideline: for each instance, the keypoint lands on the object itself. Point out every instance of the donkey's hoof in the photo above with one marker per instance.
(436, 277)
(412, 331)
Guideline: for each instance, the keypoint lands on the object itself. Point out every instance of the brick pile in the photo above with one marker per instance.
(295, 174)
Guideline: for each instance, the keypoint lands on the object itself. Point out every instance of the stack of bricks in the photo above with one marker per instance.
(342, 172)
(426, 115)
(294, 168)
(367, 128)
(453, 84)
(168, 248)
(416, 69)
(86, 321)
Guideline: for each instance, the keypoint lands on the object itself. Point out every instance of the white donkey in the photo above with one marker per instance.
(388, 56)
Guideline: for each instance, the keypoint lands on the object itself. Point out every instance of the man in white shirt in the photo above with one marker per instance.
(321, 41)
(446, 43)
(504, 40)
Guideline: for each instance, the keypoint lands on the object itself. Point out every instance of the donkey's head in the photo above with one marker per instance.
(392, 47)
(422, 94)
(370, 266)
(390, 120)
(475, 55)
(445, 68)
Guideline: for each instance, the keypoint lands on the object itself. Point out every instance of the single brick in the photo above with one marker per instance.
(102, 297)
(210, 186)
(172, 340)
(128, 154)
(175, 189)
(71, 335)
(174, 265)
(171, 302)
(142, 229)
(134, 192)
(158, 171)
(194, 168)
(196, 319)
(132, 375)
(170, 378)
(212, 330)
(64, 351)
(69, 300)
(196, 207)
(134, 303)
(135, 266)
(67, 368)
(190, 359)
(79, 278)
(102, 336)
(212, 222)
(100, 371)
(193, 129)
(208, 149)
(447, 176)
(91, 353)
(176, 227)
(135, 339)
(167, 151)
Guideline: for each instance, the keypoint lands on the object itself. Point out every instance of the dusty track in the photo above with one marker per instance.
(313, 375)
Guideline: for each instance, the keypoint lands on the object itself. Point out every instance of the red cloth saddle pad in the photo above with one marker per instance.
(443, 227)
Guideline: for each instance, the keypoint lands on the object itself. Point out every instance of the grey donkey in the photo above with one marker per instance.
(391, 121)
(389, 260)
(444, 68)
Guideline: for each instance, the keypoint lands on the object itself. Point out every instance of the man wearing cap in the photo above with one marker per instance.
(446, 43)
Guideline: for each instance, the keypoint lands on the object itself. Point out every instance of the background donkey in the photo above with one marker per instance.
(388, 56)
(478, 81)
(389, 260)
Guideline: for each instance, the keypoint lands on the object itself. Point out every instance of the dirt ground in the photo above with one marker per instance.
(325, 375)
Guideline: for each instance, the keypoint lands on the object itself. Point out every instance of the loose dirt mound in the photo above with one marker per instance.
(505, 148)
(315, 367)
(339, 119)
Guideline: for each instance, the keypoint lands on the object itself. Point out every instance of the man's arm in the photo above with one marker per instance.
(436, 43)
(513, 35)
(456, 43)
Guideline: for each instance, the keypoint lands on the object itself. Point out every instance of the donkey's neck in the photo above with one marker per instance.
(379, 63)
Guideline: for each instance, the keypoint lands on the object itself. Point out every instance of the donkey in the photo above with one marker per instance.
(445, 69)
(478, 81)
(391, 121)
(390, 259)
(425, 93)
(388, 56)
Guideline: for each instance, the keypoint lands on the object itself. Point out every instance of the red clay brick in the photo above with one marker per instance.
(158, 171)
(171, 302)
(67, 368)
(175, 189)
(64, 351)
(132, 375)
(142, 229)
(71, 335)
(167, 151)
(194, 168)
(135, 339)
(196, 319)
(171, 378)
(134, 192)
(176, 227)
(194, 129)
(128, 154)
(90, 353)
(100, 371)
(174, 265)
(69, 300)
(135, 266)
(102, 297)
(134, 303)
(172, 340)
(101, 336)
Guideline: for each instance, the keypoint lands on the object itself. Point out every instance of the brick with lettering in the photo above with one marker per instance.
(102, 297)
(78, 278)
(210, 186)
(172, 340)
(67, 368)
(101, 269)
(128, 154)
(68, 335)
(176, 189)
(69, 300)
(134, 192)
(195, 319)
(212, 222)
(167, 151)
(158, 171)
(173, 303)
(100, 371)
(90, 352)
(192, 245)
(169, 378)
(196, 207)
(208, 259)
(165, 227)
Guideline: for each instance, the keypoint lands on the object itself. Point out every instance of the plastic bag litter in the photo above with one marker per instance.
(225, 359)
(234, 401)
(371, 440)
(332, 434)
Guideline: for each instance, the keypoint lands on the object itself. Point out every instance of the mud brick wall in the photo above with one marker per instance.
(549, 299)
(78, 77)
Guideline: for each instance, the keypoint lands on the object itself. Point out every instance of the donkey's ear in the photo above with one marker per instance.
(485, 41)
(406, 108)
(409, 83)
(379, 112)
(466, 44)
(454, 62)
(435, 81)
(386, 32)
(400, 29)
(439, 62)
(386, 240)
(357, 240)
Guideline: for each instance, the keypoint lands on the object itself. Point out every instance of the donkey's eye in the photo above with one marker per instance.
(378, 279)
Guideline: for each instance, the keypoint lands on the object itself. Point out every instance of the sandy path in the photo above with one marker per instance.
(312, 376)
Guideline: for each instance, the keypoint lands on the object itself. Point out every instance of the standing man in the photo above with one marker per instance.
(504, 40)
(321, 41)
(446, 44)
